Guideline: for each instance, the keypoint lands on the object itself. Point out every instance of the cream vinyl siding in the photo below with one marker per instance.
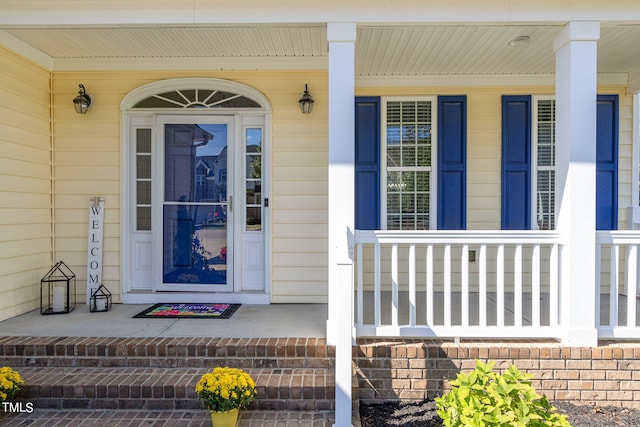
(25, 183)
(88, 156)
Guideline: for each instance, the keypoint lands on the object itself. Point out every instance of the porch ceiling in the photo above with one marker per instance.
(410, 50)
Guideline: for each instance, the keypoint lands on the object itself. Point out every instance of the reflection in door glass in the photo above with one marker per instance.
(195, 251)
(195, 204)
(253, 179)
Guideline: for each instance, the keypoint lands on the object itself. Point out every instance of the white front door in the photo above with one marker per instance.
(195, 218)
(195, 202)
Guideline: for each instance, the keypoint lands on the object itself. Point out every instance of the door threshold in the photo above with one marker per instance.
(147, 297)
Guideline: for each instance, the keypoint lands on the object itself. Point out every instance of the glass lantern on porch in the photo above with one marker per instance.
(100, 299)
(58, 290)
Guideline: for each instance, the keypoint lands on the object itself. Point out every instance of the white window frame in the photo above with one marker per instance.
(534, 161)
(433, 169)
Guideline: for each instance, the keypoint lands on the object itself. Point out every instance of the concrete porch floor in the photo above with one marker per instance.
(250, 321)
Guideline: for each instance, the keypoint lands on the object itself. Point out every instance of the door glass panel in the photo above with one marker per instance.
(253, 179)
(195, 204)
(143, 180)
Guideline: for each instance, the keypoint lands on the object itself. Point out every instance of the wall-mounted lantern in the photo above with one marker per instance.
(306, 101)
(82, 102)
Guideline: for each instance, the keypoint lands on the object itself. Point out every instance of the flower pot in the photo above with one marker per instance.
(224, 419)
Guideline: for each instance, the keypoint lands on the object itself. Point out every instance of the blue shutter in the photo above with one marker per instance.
(607, 163)
(367, 163)
(452, 158)
(516, 163)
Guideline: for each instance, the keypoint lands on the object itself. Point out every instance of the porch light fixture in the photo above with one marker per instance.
(306, 101)
(82, 102)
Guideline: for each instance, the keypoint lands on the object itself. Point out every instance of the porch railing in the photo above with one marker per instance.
(457, 284)
(478, 284)
(617, 278)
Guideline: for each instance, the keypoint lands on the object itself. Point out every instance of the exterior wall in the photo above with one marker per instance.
(484, 144)
(25, 183)
(88, 156)
(484, 121)
(417, 369)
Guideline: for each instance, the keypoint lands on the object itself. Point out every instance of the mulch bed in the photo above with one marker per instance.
(423, 414)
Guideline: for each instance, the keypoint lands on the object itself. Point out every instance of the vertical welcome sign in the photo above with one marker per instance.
(94, 250)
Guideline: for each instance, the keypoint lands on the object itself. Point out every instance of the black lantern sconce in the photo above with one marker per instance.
(82, 102)
(306, 101)
(100, 299)
(58, 290)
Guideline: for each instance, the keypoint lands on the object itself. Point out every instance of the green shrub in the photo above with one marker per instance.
(484, 398)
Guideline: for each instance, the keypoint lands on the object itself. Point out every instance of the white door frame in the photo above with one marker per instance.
(134, 118)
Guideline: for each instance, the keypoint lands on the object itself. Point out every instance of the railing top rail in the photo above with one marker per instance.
(458, 237)
(617, 236)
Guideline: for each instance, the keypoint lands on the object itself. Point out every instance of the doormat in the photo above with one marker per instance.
(189, 311)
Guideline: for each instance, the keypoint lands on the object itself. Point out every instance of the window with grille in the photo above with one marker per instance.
(408, 164)
(545, 162)
(143, 179)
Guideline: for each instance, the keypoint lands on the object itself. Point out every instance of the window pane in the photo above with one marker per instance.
(143, 167)
(143, 192)
(195, 163)
(545, 214)
(194, 250)
(409, 155)
(393, 156)
(254, 192)
(143, 218)
(253, 179)
(143, 180)
(254, 219)
(546, 153)
(143, 141)
(408, 152)
(197, 98)
(254, 166)
(408, 200)
(423, 153)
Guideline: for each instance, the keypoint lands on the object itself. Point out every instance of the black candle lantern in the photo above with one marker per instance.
(100, 299)
(58, 290)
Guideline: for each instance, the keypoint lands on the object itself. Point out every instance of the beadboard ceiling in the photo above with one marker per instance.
(408, 50)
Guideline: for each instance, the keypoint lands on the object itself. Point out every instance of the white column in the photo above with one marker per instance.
(341, 38)
(576, 107)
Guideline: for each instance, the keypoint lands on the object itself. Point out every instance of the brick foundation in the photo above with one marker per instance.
(409, 369)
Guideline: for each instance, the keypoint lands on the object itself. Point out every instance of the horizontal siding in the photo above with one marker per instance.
(299, 194)
(88, 156)
(88, 160)
(25, 183)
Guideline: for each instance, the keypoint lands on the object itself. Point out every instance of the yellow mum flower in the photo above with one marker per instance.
(10, 382)
(223, 389)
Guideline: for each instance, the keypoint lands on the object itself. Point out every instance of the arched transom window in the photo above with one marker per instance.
(197, 98)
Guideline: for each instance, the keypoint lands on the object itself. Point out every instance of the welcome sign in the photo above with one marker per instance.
(94, 250)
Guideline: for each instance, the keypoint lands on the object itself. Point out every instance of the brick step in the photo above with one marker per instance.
(176, 418)
(243, 353)
(289, 389)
